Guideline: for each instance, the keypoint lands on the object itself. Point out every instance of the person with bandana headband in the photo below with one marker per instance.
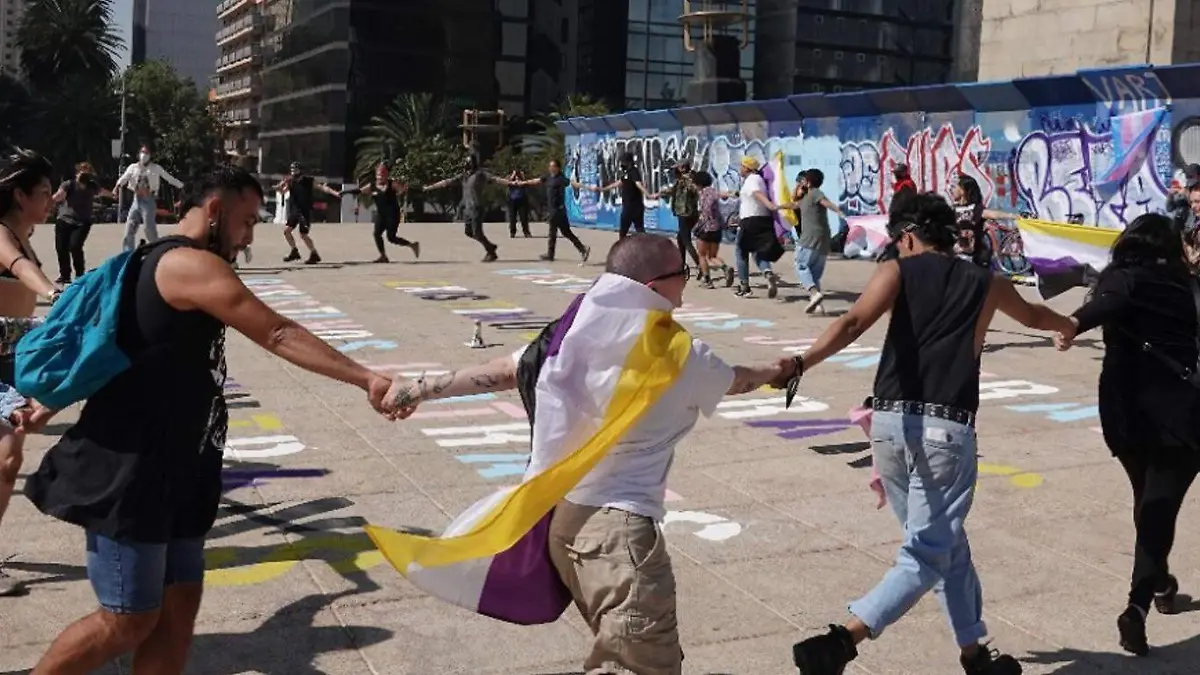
(143, 178)
(146, 487)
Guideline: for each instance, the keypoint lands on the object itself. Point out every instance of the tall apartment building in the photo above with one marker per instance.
(179, 32)
(847, 45)
(11, 12)
(536, 64)
(237, 82)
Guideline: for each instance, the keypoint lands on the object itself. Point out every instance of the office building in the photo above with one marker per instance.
(179, 32)
(536, 65)
(237, 81)
(631, 53)
(848, 45)
(11, 12)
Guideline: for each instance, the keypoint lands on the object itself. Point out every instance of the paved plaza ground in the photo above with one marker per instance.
(772, 526)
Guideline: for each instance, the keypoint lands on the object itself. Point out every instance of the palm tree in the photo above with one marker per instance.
(14, 110)
(74, 122)
(547, 140)
(64, 38)
(411, 120)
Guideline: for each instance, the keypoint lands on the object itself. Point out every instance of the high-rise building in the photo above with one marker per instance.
(237, 82)
(11, 12)
(809, 46)
(179, 32)
(631, 53)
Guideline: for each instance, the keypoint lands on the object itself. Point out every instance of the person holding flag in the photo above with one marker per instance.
(610, 388)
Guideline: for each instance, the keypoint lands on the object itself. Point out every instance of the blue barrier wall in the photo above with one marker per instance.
(1037, 145)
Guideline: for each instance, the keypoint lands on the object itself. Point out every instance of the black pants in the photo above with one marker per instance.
(560, 224)
(518, 207)
(69, 239)
(473, 228)
(684, 238)
(1159, 489)
(636, 218)
(389, 228)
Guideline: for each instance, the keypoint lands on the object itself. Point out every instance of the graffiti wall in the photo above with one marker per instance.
(1101, 147)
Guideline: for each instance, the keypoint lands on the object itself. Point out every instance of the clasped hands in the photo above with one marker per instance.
(394, 399)
(1065, 336)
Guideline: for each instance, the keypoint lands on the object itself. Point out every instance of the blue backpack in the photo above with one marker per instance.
(74, 352)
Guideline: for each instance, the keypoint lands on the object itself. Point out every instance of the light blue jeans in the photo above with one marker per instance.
(147, 208)
(743, 270)
(928, 468)
(810, 267)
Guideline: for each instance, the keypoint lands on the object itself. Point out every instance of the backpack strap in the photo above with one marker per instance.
(1191, 375)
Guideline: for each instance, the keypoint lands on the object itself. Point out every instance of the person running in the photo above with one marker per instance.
(144, 178)
(605, 539)
(146, 488)
(813, 237)
(25, 201)
(633, 196)
(518, 205)
(756, 230)
(1145, 301)
(474, 179)
(76, 200)
(556, 184)
(301, 190)
(386, 194)
(925, 401)
(684, 197)
(973, 243)
(709, 229)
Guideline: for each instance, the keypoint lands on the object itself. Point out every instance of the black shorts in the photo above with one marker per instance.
(300, 221)
(713, 237)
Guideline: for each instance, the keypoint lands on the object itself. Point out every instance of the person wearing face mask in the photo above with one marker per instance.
(923, 428)
(75, 199)
(143, 178)
(145, 487)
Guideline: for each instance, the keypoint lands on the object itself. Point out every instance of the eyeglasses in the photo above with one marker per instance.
(685, 272)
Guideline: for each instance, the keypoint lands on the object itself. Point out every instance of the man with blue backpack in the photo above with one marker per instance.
(142, 339)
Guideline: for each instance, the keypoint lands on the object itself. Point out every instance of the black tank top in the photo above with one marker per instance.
(929, 355)
(144, 460)
(387, 204)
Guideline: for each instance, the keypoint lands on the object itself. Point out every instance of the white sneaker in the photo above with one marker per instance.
(815, 303)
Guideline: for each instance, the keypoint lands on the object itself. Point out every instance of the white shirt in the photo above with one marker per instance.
(748, 206)
(151, 174)
(633, 475)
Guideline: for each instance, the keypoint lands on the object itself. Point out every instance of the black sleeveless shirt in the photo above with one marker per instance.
(143, 462)
(929, 355)
(387, 204)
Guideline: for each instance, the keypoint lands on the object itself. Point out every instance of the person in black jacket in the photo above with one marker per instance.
(1147, 409)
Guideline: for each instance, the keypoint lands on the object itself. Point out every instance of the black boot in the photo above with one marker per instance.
(987, 662)
(1132, 627)
(1164, 599)
(825, 654)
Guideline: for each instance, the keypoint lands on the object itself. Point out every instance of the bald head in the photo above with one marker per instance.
(642, 257)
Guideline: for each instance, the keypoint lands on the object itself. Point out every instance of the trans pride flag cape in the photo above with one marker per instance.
(592, 374)
(1064, 256)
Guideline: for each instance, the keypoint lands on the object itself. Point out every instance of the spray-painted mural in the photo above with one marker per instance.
(1099, 147)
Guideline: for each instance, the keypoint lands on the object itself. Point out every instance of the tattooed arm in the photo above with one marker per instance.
(496, 375)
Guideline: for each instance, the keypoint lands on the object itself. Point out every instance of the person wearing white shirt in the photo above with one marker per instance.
(756, 230)
(605, 539)
(143, 178)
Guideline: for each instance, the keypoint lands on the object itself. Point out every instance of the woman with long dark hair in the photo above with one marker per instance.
(1145, 299)
(386, 194)
(26, 197)
(709, 230)
(972, 215)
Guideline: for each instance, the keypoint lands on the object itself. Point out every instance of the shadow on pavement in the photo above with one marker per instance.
(1175, 659)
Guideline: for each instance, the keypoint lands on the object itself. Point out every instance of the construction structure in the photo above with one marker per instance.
(476, 122)
(717, 75)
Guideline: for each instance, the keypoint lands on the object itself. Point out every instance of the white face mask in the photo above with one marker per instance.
(144, 158)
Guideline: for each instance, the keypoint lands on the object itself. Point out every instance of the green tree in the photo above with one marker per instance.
(14, 111)
(546, 141)
(75, 122)
(429, 160)
(169, 114)
(509, 158)
(67, 38)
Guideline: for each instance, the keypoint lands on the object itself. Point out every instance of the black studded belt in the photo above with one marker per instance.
(934, 410)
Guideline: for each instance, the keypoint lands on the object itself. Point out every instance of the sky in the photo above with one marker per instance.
(123, 18)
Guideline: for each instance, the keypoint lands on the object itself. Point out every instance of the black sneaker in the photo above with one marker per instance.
(546, 257)
(772, 285)
(1164, 600)
(825, 654)
(313, 259)
(990, 662)
(1132, 627)
(293, 256)
(743, 291)
(728, 276)
(381, 259)
(491, 256)
(416, 248)
(707, 283)
(585, 254)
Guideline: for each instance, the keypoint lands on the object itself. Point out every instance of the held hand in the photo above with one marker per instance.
(377, 389)
(401, 399)
(1066, 334)
(787, 370)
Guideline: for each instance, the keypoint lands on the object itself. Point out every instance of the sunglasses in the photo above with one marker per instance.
(685, 272)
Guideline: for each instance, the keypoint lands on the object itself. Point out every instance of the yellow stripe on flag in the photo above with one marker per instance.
(650, 369)
(783, 192)
(1096, 237)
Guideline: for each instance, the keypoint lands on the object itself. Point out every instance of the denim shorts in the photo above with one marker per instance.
(10, 401)
(129, 577)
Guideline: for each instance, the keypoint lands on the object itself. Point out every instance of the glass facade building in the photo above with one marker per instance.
(179, 32)
(331, 65)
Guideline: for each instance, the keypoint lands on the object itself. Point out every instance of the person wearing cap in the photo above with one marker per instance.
(684, 196)
(301, 190)
(756, 230)
(143, 177)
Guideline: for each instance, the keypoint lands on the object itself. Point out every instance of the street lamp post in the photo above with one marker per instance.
(119, 149)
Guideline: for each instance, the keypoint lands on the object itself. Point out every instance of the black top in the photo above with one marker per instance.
(387, 204)
(556, 193)
(1145, 408)
(77, 207)
(970, 219)
(631, 195)
(143, 462)
(929, 355)
(301, 191)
